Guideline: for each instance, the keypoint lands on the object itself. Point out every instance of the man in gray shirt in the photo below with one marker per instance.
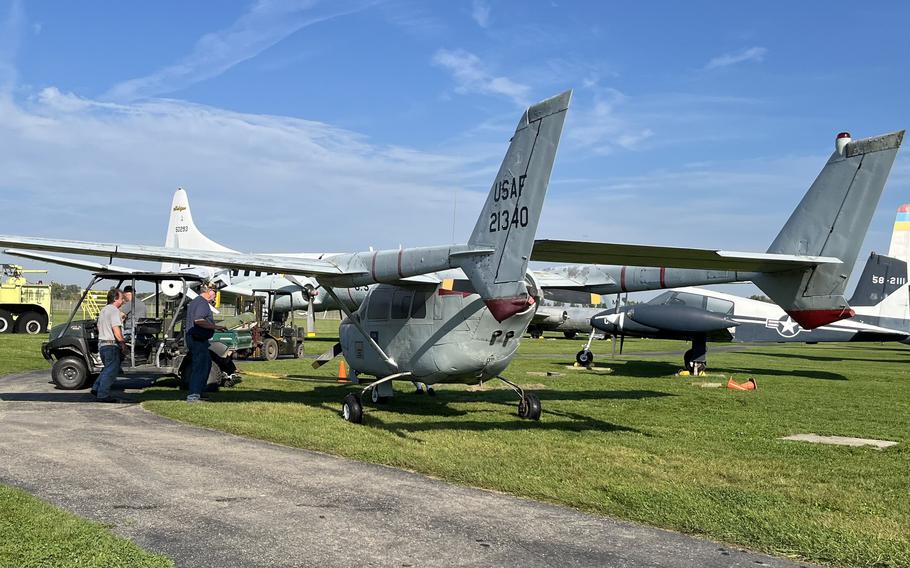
(110, 345)
(130, 313)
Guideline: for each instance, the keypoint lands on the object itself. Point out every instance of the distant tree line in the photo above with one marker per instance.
(65, 291)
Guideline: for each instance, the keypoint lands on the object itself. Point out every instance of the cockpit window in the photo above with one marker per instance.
(419, 306)
(378, 307)
(401, 304)
(689, 300)
(662, 299)
(720, 306)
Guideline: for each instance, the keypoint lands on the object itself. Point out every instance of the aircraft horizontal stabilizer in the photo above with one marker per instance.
(671, 257)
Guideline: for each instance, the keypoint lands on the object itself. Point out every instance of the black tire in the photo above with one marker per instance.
(431, 391)
(6, 322)
(529, 407)
(243, 354)
(269, 349)
(535, 334)
(584, 358)
(183, 375)
(298, 353)
(70, 373)
(31, 323)
(570, 334)
(351, 409)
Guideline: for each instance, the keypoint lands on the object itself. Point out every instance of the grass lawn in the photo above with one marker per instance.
(639, 444)
(33, 534)
(20, 352)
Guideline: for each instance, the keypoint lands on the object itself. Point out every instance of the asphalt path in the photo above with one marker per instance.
(205, 498)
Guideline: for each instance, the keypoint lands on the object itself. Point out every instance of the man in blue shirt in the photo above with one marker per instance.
(200, 327)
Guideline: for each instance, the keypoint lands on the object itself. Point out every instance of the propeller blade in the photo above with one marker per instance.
(335, 351)
(310, 317)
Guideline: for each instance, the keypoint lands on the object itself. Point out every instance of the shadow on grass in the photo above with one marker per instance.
(825, 358)
(801, 373)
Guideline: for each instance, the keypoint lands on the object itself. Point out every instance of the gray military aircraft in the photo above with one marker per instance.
(881, 301)
(410, 327)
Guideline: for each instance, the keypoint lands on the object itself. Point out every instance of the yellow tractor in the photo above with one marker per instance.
(24, 307)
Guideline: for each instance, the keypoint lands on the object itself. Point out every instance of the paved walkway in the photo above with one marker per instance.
(206, 498)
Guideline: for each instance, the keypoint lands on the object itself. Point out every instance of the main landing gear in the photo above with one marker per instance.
(528, 405)
(696, 359)
(379, 392)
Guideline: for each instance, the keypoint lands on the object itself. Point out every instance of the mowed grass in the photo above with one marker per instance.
(20, 352)
(34, 534)
(640, 443)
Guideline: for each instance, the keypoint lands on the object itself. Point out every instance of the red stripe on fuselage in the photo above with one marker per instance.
(622, 279)
(663, 272)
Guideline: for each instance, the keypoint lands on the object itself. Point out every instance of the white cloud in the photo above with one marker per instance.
(76, 168)
(756, 54)
(264, 25)
(471, 76)
(480, 11)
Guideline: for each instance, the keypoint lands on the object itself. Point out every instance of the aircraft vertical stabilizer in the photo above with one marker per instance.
(900, 237)
(508, 221)
(829, 222)
(182, 232)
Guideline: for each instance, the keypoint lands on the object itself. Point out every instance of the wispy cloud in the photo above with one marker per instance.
(756, 54)
(471, 76)
(480, 11)
(265, 24)
(79, 160)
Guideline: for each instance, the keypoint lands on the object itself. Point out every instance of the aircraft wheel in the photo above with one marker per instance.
(351, 409)
(298, 353)
(269, 349)
(570, 334)
(535, 334)
(529, 407)
(584, 357)
(6, 322)
(687, 359)
(375, 398)
(69, 373)
(430, 391)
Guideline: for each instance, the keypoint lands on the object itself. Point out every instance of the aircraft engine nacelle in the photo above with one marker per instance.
(550, 316)
(679, 319)
(172, 288)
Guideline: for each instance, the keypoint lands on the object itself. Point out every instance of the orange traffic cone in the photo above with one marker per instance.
(342, 372)
(749, 385)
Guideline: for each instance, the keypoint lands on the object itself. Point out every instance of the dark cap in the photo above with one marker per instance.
(127, 289)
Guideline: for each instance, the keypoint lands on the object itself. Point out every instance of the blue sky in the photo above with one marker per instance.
(310, 126)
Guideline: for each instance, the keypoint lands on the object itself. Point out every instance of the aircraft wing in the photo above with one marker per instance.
(671, 257)
(258, 262)
(70, 262)
(568, 281)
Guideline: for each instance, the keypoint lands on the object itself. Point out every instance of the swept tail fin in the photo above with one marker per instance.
(182, 232)
(831, 221)
(883, 292)
(508, 221)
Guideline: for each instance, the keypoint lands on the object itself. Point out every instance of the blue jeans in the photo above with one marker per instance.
(201, 364)
(110, 358)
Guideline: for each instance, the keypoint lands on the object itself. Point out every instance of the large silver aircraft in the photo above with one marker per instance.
(412, 328)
